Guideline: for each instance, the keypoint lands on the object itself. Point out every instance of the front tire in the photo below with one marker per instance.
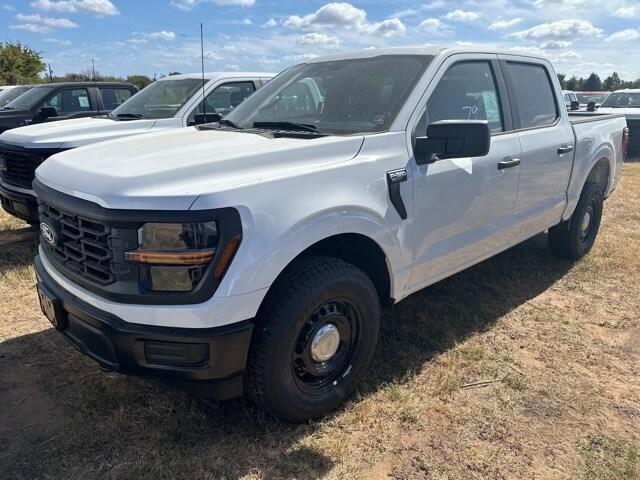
(575, 237)
(314, 339)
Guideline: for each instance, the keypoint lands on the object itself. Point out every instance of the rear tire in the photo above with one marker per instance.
(575, 237)
(314, 338)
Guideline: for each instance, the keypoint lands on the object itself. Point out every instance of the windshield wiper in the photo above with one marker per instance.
(300, 127)
(129, 115)
(229, 123)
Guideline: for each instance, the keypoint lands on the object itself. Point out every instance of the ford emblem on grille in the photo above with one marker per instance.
(48, 234)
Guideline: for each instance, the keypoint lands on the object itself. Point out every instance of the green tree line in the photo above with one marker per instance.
(593, 83)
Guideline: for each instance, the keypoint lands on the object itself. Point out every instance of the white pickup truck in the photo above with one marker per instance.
(627, 103)
(254, 254)
(171, 102)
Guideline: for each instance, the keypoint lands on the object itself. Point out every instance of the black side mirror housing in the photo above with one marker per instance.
(201, 118)
(44, 113)
(591, 106)
(453, 139)
(575, 105)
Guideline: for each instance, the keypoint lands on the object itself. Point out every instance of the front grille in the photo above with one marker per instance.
(18, 167)
(79, 245)
(634, 137)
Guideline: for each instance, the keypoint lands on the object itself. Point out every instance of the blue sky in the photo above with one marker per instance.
(158, 36)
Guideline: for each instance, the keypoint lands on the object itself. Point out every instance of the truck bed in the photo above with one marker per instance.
(584, 117)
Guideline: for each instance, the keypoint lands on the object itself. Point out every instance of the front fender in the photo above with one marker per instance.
(260, 260)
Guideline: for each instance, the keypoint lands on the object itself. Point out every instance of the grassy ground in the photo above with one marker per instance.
(559, 342)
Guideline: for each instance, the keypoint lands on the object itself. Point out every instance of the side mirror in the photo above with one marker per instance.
(201, 118)
(46, 112)
(453, 139)
(575, 105)
(591, 106)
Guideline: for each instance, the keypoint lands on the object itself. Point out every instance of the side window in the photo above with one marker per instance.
(533, 94)
(225, 98)
(467, 91)
(113, 97)
(70, 101)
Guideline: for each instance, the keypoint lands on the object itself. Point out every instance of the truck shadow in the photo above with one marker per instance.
(63, 417)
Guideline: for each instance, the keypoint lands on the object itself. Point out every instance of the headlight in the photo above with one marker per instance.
(174, 257)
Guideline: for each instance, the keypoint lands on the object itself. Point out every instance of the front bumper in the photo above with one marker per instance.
(207, 361)
(21, 205)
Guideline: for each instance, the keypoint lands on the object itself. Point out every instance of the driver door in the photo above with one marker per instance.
(463, 208)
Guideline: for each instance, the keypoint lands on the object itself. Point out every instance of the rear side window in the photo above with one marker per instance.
(533, 94)
(467, 91)
(112, 97)
(225, 98)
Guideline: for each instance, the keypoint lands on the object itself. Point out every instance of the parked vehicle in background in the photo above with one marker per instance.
(626, 102)
(254, 254)
(171, 102)
(593, 98)
(570, 100)
(59, 101)
(9, 94)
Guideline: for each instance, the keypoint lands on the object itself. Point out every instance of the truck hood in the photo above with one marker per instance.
(169, 170)
(74, 133)
(630, 113)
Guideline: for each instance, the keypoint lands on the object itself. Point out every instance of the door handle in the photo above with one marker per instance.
(508, 163)
(565, 149)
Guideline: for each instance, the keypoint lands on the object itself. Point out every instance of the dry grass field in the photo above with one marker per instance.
(557, 343)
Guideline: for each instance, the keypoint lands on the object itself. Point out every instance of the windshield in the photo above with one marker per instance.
(31, 98)
(592, 97)
(11, 94)
(334, 97)
(161, 99)
(623, 100)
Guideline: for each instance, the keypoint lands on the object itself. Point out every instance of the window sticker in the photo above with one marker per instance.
(84, 102)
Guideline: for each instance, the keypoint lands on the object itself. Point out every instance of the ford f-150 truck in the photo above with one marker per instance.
(171, 102)
(61, 101)
(626, 102)
(254, 254)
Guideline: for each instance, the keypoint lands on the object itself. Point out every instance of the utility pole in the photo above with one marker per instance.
(50, 73)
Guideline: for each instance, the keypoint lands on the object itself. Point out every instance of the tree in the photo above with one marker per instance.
(561, 79)
(593, 83)
(174, 73)
(19, 64)
(612, 82)
(139, 81)
(571, 84)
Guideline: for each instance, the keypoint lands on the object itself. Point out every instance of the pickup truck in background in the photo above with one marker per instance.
(61, 101)
(570, 100)
(626, 102)
(254, 254)
(9, 94)
(590, 101)
(171, 102)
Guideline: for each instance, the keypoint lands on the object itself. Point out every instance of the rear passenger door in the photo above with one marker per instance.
(463, 207)
(547, 141)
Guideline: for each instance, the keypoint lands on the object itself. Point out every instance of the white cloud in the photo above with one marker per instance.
(504, 24)
(58, 41)
(345, 15)
(627, 12)
(247, 21)
(137, 41)
(317, 39)
(561, 29)
(624, 36)
(462, 16)
(162, 35)
(555, 44)
(189, 4)
(300, 57)
(433, 26)
(31, 27)
(97, 7)
(270, 23)
(9, 8)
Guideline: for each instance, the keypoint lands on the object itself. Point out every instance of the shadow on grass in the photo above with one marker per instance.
(65, 418)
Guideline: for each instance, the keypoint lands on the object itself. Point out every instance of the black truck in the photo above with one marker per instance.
(61, 101)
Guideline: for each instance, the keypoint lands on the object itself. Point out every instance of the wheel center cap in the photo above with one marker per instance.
(586, 221)
(325, 343)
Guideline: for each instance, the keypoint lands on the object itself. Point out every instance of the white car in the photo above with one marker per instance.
(171, 102)
(626, 102)
(254, 254)
(570, 100)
